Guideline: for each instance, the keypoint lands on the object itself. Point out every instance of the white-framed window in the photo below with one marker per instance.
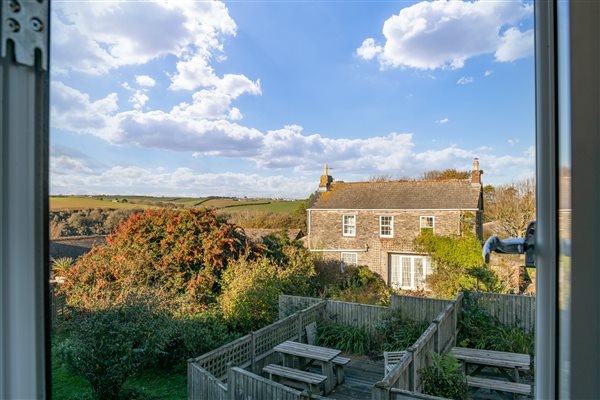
(348, 259)
(427, 222)
(386, 226)
(409, 271)
(349, 225)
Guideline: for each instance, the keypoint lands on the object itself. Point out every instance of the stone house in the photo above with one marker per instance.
(375, 223)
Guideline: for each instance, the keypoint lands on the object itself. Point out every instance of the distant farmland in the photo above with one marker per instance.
(225, 204)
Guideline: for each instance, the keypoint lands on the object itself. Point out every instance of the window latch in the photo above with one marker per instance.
(525, 245)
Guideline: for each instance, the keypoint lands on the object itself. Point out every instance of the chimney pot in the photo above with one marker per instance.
(476, 173)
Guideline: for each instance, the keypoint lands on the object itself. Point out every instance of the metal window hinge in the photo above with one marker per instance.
(25, 23)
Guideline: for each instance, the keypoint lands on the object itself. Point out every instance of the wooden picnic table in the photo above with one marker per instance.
(307, 353)
(502, 361)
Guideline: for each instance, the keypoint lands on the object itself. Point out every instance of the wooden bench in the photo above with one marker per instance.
(502, 386)
(311, 380)
(391, 358)
(339, 362)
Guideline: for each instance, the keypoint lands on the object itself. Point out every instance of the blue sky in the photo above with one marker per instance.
(250, 98)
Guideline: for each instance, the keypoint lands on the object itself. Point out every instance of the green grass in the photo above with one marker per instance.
(274, 206)
(154, 385)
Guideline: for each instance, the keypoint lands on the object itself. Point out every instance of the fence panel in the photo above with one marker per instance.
(421, 355)
(418, 308)
(244, 385)
(202, 385)
(288, 305)
(446, 330)
(362, 316)
(237, 353)
(510, 309)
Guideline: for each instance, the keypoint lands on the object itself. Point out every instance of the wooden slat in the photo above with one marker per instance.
(307, 351)
(295, 374)
(503, 386)
(492, 358)
(339, 360)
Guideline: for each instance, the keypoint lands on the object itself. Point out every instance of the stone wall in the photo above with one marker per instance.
(325, 233)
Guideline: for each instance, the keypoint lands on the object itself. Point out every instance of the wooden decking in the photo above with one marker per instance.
(360, 376)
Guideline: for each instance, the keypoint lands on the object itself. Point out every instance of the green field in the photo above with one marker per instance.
(78, 203)
(229, 204)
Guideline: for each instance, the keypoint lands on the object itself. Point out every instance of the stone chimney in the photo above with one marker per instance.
(476, 173)
(326, 180)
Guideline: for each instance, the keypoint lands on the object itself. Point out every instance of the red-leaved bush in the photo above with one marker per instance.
(176, 256)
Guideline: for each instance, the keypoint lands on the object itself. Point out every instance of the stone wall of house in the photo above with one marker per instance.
(325, 233)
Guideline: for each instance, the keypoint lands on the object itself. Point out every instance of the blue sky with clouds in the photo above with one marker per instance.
(196, 98)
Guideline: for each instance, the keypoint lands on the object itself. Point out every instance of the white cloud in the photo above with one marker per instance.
(177, 182)
(145, 81)
(96, 37)
(443, 121)
(368, 50)
(464, 80)
(513, 142)
(138, 99)
(488, 72)
(204, 128)
(515, 44)
(444, 34)
(73, 111)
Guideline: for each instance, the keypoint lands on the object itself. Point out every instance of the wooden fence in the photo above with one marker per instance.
(418, 308)
(203, 385)
(244, 385)
(363, 316)
(252, 351)
(510, 309)
(404, 380)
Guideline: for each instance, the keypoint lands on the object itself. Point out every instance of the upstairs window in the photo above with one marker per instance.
(349, 225)
(427, 223)
(386, 226)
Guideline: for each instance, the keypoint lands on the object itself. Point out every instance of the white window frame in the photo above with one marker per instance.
(344, 225)
(427, 270)
(432, 227)
(381, 217)
(344, 264)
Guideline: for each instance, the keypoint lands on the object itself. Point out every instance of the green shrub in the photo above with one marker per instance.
(108, 346)
(478, 329)
(457, 264)
(193, 336)
(343, 337)
(396, 334)
(250, 292)
(359, 285)
(444, 378)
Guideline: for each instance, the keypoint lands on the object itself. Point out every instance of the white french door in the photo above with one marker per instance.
(408, 271)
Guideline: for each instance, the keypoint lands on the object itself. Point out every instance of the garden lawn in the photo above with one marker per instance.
(151, 385)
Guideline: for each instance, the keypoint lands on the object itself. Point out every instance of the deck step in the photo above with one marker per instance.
(494, 384)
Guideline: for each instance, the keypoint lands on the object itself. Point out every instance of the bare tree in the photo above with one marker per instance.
(381, 178)
(510, 208)
(436, 175)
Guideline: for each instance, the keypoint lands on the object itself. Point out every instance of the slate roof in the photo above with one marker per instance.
(74, 246)
(400, 195)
